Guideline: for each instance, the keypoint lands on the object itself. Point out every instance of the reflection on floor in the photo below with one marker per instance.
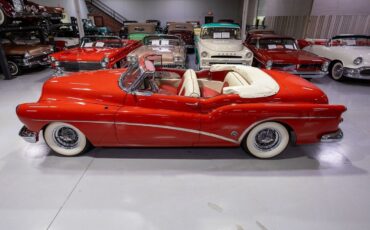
(320, 186)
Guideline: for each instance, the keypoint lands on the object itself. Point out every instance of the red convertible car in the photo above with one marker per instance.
(94, 52)
(282, 53)
(227, 105)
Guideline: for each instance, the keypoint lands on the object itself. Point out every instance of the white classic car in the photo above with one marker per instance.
(220, 43)
(349, 55)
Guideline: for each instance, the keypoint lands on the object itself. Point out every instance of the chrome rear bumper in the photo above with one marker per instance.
(332, 137)
(28, 135)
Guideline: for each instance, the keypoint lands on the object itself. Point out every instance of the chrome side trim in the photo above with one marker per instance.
(180, 129)
(332, 137)
(185, 129)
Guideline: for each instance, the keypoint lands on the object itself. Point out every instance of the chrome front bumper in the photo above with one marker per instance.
(206, 63)
(28, 135)
(332, 137)
(312, 74)
(356, 73)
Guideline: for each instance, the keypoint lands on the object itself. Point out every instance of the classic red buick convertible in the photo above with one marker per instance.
(227, 105)
(282, 53)
(94, 52)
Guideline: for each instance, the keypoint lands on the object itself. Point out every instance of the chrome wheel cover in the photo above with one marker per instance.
(13, 69)
(337, 71)
(267, 139)
(65, 137)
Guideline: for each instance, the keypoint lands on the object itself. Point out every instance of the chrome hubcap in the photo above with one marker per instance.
(65, 137)
(12, 68)
(338, 71)
(267, 139)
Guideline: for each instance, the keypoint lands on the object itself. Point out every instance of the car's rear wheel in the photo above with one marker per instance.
(266, 140)
(13, 68)
(65, 139)
(336, 71)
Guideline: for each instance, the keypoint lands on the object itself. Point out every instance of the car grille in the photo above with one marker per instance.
(310, 66)
(78, 66)
(43, 57)
(365, 72)
(225, 56)
(284, 66)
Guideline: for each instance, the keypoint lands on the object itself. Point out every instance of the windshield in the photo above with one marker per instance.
(350, 41)
(101, 42)
(277, 43)
(129, 77)
(162, 41)
(220, 33)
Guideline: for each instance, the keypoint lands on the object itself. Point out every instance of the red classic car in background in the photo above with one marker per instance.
(23, 10)
(94, 52)
(227, 105)
(277, 52)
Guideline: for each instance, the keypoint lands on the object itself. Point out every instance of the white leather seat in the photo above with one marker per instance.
(234, 79)
(190, 86)
(259, 83)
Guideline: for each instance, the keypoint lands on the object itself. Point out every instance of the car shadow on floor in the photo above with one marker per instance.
(307, 160)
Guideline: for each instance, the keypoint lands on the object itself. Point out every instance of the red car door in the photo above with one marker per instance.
(152, 119)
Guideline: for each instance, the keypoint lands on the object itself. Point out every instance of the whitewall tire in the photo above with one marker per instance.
(65, 139)
(266, 140)
(336, 71)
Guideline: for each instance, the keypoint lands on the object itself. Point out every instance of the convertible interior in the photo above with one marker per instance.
(246, 81)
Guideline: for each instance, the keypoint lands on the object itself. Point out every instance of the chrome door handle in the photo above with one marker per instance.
(192, 104)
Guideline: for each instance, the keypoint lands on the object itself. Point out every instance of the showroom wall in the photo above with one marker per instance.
(327, 17)
(177, 10)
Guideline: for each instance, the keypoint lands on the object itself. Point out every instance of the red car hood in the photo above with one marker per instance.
(84, 54)
(291, 56)
(99, 87)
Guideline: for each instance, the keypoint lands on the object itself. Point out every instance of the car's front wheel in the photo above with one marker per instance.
(336, 71)
(266, 140)
(65, 139)
(13, 68)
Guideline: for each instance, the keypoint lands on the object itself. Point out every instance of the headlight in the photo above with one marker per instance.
(52, 58)
(57, 63)
(204, 54)
(269, 64)
(106, 59)
(249, 55)
(325, 66)
(27, 54)
(357, 61)
(27, 8)
(104, 64)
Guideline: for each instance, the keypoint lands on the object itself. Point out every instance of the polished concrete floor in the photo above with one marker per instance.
(320, 186)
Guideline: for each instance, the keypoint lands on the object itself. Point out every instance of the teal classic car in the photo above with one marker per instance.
(221, 43)
(137, 31)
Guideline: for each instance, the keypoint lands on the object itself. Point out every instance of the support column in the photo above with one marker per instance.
(244, 18)
(4, 63)
(78, 17)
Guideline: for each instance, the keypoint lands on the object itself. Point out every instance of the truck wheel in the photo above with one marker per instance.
(336, 71)
(13, 68)
(266, 140)
(65, 139)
